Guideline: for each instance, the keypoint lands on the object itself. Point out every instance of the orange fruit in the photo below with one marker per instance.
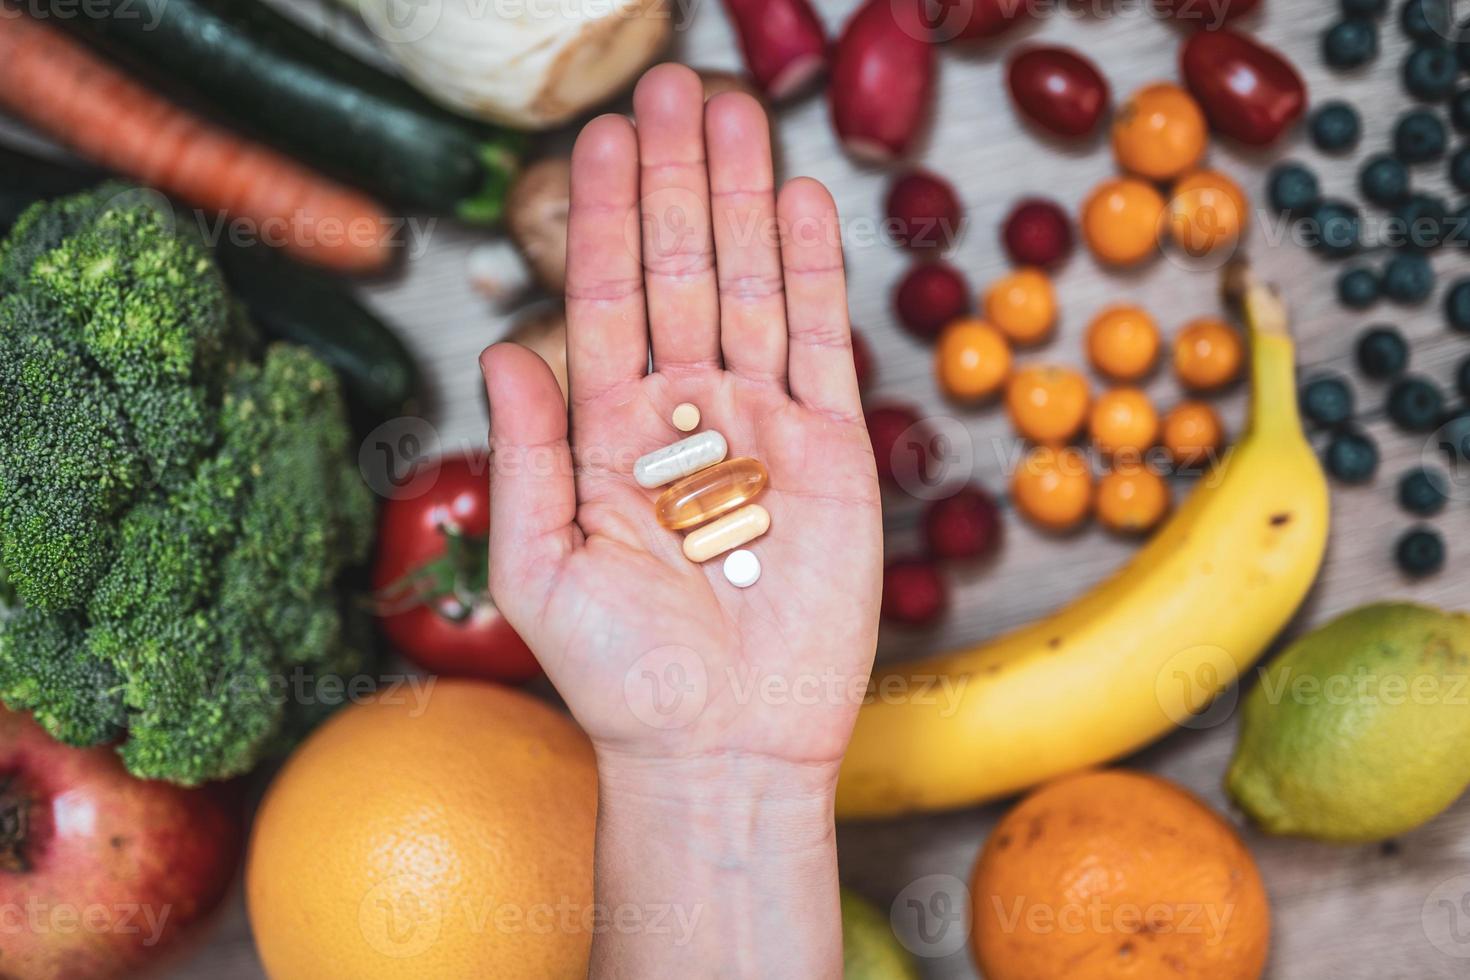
(448, 838)
(1123, 342)
(1208, 354)
(1117, 875)
(1022, 305)
(1160, 132)
(1053, 487)
(1190, 432)
(1206, 211)
(971, 360)
(1047, 403)
(1132, 499)
(1123, 420)
(1120, 221)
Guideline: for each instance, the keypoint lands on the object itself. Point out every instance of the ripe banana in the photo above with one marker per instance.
(1136, 656)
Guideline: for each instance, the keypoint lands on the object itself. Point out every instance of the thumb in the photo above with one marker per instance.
(533, 497)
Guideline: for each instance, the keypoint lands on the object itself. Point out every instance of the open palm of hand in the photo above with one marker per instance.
(680, 251)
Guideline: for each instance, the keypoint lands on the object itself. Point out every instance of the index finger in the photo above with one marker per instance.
(607, 327)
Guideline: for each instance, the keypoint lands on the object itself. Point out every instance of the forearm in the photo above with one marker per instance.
(722, 868)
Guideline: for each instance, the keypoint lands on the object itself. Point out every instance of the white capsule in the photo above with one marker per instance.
(742, 568)
(680, 459)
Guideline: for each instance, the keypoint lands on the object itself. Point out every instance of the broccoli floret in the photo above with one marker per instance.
(175, 516)
(44, 669)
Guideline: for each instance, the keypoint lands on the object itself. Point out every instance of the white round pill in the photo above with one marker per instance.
(686, 417)
(742, 568)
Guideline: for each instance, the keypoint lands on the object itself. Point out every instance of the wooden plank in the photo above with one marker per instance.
(1338, 912)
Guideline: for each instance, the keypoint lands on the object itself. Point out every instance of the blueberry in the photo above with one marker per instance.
(1336, 127)
(1408, 278)
(1423, 491)
(1364, 8)
(1382, 352)
(1426, 20)
(1351, 456)
(1421, 222)
(1462, 378)
(1293, 188)
(1429, 73)
(1460, 168)
(1415, 404)
(1420, 551)
(1419, 137)
(1350, 43)
(1333, 228)
(1383, 180)
(1327, 401)
(1357, 289)
(1457, 305)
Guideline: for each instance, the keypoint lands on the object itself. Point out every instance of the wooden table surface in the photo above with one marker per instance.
(1340, 912)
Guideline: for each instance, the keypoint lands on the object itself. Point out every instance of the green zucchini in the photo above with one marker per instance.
(293, 303)
(287, 301)
(265, 74)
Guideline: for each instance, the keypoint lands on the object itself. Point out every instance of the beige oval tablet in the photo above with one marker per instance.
(686, 417)
(730, 531)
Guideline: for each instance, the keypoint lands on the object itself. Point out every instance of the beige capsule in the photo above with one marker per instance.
(730, 531)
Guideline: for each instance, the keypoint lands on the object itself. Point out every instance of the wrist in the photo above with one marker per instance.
(730, 797)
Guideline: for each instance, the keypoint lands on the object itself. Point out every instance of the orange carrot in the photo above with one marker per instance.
(68, 92)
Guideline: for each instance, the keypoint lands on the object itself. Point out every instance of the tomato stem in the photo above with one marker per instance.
(461, 574)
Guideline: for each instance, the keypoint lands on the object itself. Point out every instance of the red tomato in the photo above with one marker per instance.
(1247, 91)
(450, 626)
(1208, 14)
(1058, 89)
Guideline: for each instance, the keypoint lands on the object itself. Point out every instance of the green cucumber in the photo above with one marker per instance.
(273, 78)
(287, 301)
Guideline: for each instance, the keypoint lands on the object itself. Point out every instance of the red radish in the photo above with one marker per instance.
(914, 592)
(928, 297)
(901, 443)
(923, 211)
(978, 20)
(1058, 89)
(783, 43)
(882, 79)
(70, 93)
(1247, 90)
(862, 361)
(1037, 232)
(966, 525)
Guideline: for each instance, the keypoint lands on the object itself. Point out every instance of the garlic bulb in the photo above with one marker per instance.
(531, 64)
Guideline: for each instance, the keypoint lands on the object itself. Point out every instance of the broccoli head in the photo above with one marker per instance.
(177, 509)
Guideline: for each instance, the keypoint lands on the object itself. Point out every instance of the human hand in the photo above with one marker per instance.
(673, 245)
(719, 715)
